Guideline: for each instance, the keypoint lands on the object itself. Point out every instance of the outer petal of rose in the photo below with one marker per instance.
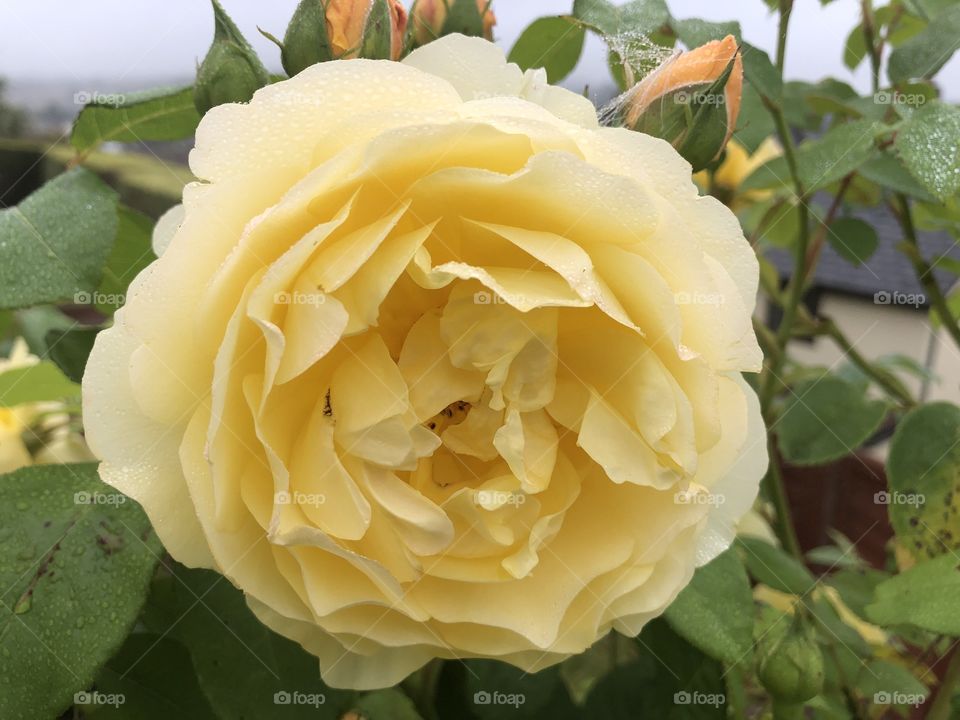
(166, 228)
(479, 70)
(145, 466)
(742, 452)
(283, 124)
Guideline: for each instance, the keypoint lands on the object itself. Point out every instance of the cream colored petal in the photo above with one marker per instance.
(166, 228)
(733, 469)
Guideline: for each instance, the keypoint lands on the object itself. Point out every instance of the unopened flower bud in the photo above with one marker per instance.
(322, 30)
(231, 71)
(790, 663)
(435, 18)
(692, 101)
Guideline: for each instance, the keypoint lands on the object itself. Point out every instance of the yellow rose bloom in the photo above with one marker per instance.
(737, 165)
(433, 365)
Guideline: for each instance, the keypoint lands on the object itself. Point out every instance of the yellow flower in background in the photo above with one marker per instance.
(43, 421)
(433, 365)
(736, 166)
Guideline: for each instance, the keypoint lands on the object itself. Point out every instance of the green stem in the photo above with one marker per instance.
(786, 7)
(421, 688)
(736, 695)
(942, 706)
(874, 47)
(890, 384)
(777, 494)
(923, 270)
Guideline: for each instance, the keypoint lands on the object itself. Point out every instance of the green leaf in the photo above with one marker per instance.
(715, 611)
(887, 171)
(69, 349)
(55, 242)
(877, 678)
(826, 419)
(754, 124)
(210, 617)
(923, 470)
(671, 680)
(160, 114)
(463, 17)
(35, 383)
(925, 53)
(926, 596)
(929, 146)
(641, 17)
(131, 253)
(820, 162)
(75, 565)
(553, 43)
(694, 32)
(855, 48)
(854, 239)
(857, 587)
(760, 72)
(154, 676)
(773, 567)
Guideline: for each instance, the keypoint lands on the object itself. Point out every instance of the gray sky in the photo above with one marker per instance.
(126, 41)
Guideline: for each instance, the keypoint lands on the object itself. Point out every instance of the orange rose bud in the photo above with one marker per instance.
(430, 19)
(342, 29)
(692, 100)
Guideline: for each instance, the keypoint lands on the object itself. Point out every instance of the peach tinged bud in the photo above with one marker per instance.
(690, 73)
(348, 26)
(429, 17)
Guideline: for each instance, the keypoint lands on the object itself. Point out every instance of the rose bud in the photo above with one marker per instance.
(692, 101)
(342, 29)
(231, 71)
(790, 663)
(436, 18)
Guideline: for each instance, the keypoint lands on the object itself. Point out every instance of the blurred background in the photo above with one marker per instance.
(53, 52)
